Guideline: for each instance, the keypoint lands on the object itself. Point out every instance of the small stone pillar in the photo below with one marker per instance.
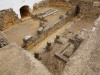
(37, 56)
(58, 40)
(58, 37)
(49, 46)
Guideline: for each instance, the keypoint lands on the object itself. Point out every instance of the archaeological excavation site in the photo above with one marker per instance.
(54, 37)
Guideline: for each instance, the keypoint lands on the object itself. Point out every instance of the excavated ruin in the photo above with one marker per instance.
(61, 37)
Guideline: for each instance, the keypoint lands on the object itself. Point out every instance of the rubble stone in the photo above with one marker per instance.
(8, 18)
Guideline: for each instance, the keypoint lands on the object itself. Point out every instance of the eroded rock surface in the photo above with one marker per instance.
(8, 18)
(16, 61)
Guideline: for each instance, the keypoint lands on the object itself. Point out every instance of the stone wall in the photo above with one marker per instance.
(86, 7)
(8, 18)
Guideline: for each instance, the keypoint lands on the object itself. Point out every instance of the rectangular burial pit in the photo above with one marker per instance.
(68, 49)
(65, 52)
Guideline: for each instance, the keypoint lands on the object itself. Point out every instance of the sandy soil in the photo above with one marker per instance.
(18, 32)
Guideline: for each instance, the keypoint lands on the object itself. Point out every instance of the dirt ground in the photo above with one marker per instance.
(19, 31)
